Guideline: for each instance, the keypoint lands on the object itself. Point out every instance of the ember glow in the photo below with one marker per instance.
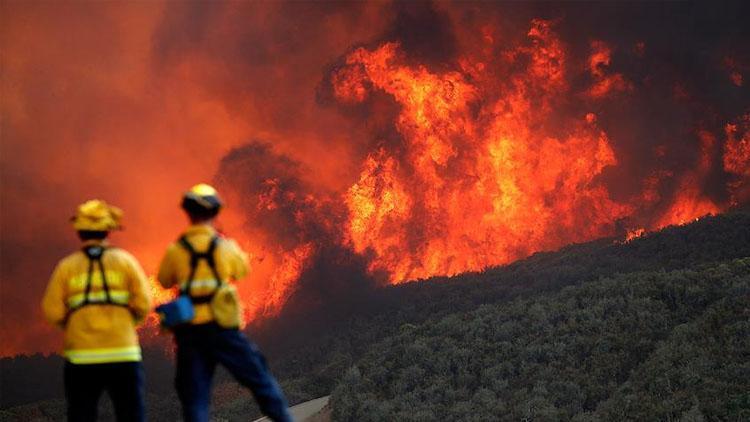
(362, 143)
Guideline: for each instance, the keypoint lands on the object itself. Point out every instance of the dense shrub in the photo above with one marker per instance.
(647, 345)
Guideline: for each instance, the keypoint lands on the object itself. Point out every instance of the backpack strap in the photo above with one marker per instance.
(95, 253)
(195, 258)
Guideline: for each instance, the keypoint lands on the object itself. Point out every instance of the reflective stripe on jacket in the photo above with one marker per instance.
(104, 355)
(98, 332)
(118, 297)
(231, 264)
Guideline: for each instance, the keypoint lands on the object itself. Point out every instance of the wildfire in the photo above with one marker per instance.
(481, 178)
(474, 189)
(604, 83)
(634, 234)
(488, 169)
(737, 154)
(737, 158)
(282, 280)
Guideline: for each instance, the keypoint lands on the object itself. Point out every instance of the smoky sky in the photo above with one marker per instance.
(136, 102)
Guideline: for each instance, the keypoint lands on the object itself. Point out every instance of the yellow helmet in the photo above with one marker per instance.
(202, 200)
(96, 215)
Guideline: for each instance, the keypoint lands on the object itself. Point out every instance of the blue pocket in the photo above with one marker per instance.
(176, 312)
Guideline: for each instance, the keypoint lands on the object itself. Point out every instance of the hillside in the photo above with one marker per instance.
(646, 345)
(320, 351)
(311, 353)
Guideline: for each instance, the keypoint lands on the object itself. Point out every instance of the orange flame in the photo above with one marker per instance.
(634, 234)
(604, 83)
(737, 154)
(283, 279)
(480, 186)
(479, 191)
(737, 158)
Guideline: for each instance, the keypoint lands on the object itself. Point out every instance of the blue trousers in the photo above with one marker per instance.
(200, 348)
(123, 381)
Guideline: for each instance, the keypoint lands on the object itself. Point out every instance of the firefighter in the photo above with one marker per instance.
(98, 295)
(201, 264)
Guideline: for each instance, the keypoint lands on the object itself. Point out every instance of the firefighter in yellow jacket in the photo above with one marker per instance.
(202, 264)
(98, 295)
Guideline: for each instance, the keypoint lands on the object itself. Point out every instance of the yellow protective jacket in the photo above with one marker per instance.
(230, 261)
(98, 332)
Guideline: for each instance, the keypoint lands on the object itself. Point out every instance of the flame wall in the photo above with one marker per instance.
(359, 144)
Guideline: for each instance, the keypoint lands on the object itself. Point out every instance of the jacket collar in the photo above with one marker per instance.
(95, 242)
(200, 229)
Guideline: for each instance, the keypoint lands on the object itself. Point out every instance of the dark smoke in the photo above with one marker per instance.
(426, 35)
(270, 191)
(287, 212)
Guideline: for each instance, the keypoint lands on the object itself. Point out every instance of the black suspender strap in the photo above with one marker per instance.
(195, 258)
(193, 262)
(88, 280)
(95, 253)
